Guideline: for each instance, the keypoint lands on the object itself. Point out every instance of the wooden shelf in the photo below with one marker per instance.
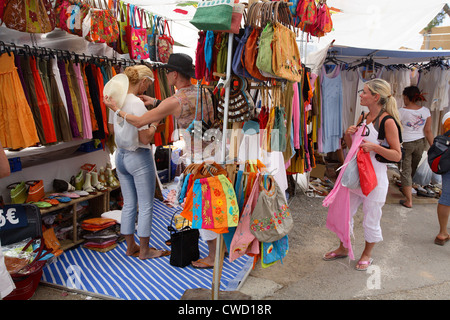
(98, 203)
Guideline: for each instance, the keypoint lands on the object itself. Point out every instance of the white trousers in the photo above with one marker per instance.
(372, 216)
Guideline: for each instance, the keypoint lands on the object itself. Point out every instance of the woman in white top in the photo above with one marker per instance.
(416, 122)
(377, 97)
(135, 167)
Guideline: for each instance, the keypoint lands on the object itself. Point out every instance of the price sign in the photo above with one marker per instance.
(12, 217)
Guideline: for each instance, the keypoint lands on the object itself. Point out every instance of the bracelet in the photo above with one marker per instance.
(152, 125)
(117, 112)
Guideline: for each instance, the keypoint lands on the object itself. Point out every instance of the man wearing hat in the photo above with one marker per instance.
(182, 105)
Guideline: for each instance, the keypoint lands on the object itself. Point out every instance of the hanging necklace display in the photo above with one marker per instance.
(199, 127)
(241, 106)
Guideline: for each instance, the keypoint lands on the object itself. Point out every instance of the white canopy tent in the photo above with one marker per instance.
(384, 24)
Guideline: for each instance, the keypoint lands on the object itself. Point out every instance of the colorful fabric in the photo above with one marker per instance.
(211, 204)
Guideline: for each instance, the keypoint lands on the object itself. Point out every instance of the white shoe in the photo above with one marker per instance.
(87, 183)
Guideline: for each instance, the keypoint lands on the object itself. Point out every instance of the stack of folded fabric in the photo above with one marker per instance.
(101, 235)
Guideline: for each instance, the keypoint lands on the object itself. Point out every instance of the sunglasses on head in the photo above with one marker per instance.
(169, 71)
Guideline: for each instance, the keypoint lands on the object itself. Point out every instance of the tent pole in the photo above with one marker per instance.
(218, 259)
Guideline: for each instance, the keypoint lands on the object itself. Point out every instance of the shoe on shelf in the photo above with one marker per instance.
(111, 178)
(79, 180)
(87, 183)
(95, 183)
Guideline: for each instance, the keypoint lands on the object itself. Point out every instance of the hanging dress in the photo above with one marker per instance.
(86, 115)
(332, 110)
(29, 82)
(59, 111)
(17, 128)
(65, 83)
(46, 115)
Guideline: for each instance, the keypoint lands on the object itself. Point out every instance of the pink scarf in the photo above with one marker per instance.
(338, 200)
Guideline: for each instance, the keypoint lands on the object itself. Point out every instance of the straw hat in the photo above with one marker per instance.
(117, 89)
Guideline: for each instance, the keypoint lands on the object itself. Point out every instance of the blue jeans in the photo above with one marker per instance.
(136, 173)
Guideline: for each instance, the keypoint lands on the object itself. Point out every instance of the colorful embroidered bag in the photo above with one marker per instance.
(137, 36)
(271, 219)
(164, 44)
(100, 25)
(122, 22)
(32, 16)
(213, 15)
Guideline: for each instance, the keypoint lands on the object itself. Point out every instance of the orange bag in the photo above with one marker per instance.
(36, 191)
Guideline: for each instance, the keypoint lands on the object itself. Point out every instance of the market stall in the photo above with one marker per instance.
(60, 76)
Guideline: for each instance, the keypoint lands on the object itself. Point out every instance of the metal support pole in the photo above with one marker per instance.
(218, 259)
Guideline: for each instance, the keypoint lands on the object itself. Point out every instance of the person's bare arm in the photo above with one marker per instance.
(427, 131)
(169, 106)
(4, 164)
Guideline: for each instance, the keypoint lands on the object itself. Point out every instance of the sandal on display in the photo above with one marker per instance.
(41, 204)
(95, 183)
(60, 198)
(87, 184)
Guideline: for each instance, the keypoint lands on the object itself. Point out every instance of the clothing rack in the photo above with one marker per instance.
(66, 54)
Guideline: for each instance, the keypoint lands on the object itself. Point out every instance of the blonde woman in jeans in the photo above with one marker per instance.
(416, 123)
(135, 168)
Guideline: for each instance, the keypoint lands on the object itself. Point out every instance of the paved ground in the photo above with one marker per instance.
(407, 264)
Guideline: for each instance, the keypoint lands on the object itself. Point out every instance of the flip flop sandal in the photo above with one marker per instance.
(61, 198)
(441, 242)
(333, 256)
(53, 202)
(206, 265)
(41, 204)
(72, 195)
(364, 263)
(402, 202)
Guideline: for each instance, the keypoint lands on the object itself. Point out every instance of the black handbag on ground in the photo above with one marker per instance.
(184, 245)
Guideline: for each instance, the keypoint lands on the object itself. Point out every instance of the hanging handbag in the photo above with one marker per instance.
(184, 245)
(286, 55)
(164, 44)
(152, 33)
(367, 176)
(36, 190)
(250, 51)
(32, 16)
(100, 25)
(236, 19)
(244, 242)
(137, 36)
(240, 106)
(271, 218)
(264, 56)
(122, 22)
(213, 15)
(18, 192)
(272, 252)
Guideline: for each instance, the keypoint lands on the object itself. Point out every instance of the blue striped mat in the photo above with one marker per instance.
(116, 275)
